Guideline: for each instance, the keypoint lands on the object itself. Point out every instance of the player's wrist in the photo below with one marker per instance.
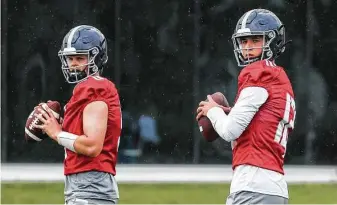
(67, 140)
(214, 112)
(225, 109)
(54, 136)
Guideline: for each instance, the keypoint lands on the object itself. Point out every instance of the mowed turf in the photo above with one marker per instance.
(52, 193)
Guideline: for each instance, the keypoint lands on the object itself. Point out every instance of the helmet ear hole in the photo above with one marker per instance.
(271, 34)
(94, 51)
(269, 54)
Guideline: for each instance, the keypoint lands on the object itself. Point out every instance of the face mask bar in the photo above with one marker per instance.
(268, 37)
(74, 75)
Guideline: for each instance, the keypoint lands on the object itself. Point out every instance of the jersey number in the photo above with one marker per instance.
(287, 123)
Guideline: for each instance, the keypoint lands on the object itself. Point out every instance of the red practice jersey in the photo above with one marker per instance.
(263, 143)
(93, 89)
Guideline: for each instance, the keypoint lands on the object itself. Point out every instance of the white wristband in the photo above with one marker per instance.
(67, 140)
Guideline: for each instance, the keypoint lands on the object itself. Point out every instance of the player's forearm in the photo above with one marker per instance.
(223, 125)
(230, 127)
(80, 144)
(87, 146)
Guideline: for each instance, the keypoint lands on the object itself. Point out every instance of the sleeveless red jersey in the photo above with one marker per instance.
(263, 143)
(93, 89)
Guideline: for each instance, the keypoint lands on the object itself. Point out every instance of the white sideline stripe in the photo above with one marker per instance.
(44, 172)
(32, 135)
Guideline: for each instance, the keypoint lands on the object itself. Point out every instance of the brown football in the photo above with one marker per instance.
(205, 125)
(33, 134)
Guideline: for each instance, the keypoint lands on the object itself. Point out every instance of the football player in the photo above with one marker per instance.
(92, 120)
(263, 114)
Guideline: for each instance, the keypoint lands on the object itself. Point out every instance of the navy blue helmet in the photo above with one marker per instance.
(260, 22)
(83, 40)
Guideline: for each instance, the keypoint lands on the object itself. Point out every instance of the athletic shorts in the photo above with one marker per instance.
(91, 187)
(247, 197)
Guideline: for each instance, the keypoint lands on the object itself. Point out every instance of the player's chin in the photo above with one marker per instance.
(250, 57)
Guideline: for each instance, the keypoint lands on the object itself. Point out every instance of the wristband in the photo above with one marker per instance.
(67, 140)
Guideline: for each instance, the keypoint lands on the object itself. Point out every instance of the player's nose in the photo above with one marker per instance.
(248, 45)
(73, 65)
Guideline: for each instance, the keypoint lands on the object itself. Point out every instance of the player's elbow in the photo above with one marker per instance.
(229, 136)
(226, 138)
(94, 151)
(92, 146)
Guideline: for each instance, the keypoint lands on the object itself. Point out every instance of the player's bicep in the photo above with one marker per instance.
(248, 103)
(95, 118)
(252, 97)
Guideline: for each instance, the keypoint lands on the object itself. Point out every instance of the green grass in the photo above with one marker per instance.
(52, 193)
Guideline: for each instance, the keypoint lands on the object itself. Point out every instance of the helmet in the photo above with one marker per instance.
(83, 40)
(260, 22)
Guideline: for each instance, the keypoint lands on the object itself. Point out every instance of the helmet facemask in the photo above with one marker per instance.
(267, 53)
(74, 75)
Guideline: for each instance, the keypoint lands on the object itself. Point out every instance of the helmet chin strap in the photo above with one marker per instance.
(248, 61)
(77, 75)
(252, 60)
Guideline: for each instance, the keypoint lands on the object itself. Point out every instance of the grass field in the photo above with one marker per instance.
(52, 193)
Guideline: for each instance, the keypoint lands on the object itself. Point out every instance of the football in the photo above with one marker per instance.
(205, 125)
(33, 134)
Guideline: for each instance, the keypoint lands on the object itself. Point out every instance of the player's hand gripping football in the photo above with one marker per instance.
(61, 119)
(204, 106)
(50, 124)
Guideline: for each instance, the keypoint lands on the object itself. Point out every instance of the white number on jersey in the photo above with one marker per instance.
(65, 153)
(119, 137)
(287, 123)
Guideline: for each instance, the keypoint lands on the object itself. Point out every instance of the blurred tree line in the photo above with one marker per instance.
(164, 57)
